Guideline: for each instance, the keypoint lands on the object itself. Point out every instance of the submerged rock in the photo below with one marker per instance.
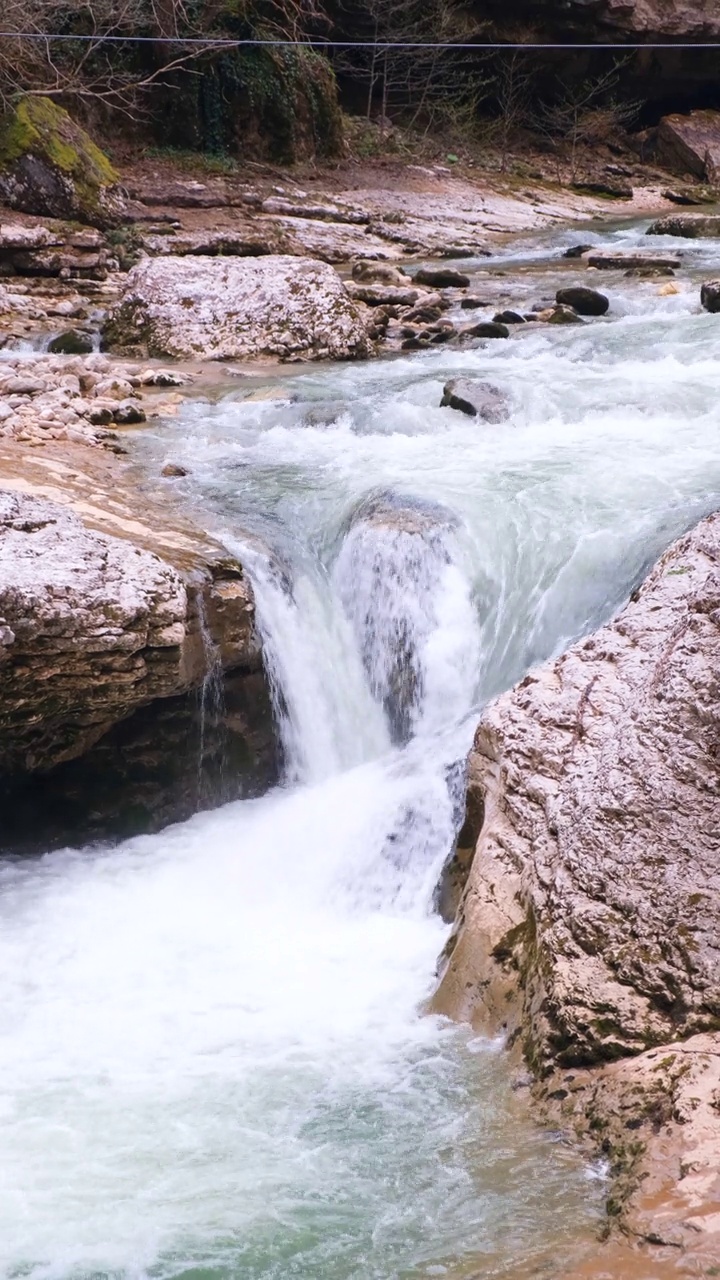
(591, 919)
(50, 166)
(219, 309)
(388, 574)
(586, 302)
(478, 399)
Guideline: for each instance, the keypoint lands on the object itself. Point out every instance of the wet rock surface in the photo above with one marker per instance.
(594, 883)
(588, 928)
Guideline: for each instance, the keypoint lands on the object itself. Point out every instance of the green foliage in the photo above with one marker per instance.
(278, 103)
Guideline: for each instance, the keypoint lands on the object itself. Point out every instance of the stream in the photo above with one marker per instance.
(213, 1056)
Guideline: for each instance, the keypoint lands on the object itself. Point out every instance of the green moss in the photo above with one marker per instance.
(40, 127)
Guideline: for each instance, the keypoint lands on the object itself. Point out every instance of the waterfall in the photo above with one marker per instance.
(402, 587)
(211, 709)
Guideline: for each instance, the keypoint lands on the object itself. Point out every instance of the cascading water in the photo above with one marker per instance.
(212, 1060)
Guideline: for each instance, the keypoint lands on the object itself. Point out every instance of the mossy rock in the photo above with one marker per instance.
(50, 166)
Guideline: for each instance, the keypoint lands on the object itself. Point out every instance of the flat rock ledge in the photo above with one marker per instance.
(224, 309)
(589, 928)
(97, 632)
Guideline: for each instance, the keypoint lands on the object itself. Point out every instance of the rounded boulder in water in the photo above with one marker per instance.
(587, 302)
(442, 278)
(508, 317)
(710, 295)
(73, 342)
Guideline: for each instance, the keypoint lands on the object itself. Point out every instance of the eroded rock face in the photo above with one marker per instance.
(131, 684)
(92, 628)
(590, 920)
(218, 309)
(691, 144)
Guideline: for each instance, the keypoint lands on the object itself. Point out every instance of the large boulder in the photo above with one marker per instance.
(50, 166)
(691, 144)
(591, 919)
(219, 309)
(689, 226)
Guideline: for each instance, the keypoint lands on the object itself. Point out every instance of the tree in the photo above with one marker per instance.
(512, 77)
(585, 112)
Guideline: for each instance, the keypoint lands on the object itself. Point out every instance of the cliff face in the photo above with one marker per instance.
(589, 925)
(592, 904)
(671, 19)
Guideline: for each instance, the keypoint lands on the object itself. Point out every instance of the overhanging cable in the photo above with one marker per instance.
(227, 42)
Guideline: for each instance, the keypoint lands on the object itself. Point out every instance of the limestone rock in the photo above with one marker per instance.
(690, 226)
(591, 919)
(50, 166)
(586, 302)
(478, 399)
(219, 309)
(691, 143)
(103, 644)
(98, 628)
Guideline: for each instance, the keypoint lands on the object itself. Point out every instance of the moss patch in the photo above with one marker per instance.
(50, 165)
(38, 125)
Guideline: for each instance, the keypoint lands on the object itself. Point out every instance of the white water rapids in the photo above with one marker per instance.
(212, 1060)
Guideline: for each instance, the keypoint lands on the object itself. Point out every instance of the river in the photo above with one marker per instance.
(213, 1056)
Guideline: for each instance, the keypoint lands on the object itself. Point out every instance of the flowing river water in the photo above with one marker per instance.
(214, 1063)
